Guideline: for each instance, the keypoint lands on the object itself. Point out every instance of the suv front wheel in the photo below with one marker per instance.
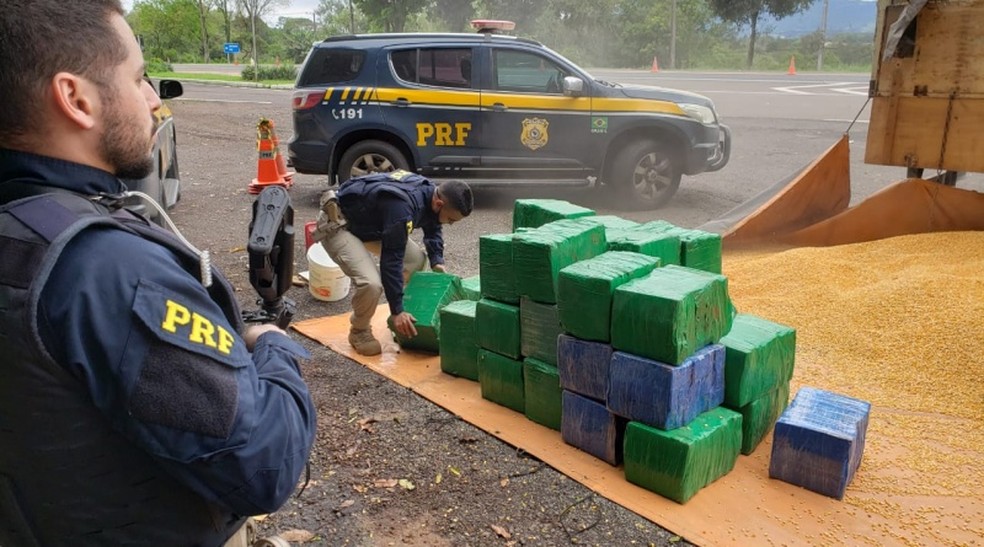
(645, 175)
(367, 157)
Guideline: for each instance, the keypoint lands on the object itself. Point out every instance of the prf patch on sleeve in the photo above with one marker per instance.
(190, 322)
(409, 226)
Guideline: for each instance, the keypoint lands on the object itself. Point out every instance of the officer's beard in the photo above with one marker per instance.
(121, 147)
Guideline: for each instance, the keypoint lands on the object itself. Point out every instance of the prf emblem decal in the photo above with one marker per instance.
(534, 134)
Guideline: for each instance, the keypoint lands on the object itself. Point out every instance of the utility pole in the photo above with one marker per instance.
(673, 12)
(823, 35)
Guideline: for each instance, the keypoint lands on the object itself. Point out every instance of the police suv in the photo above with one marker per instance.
(494, 110)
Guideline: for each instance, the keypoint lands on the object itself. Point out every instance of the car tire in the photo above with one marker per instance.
(367, 157)
(646, 175)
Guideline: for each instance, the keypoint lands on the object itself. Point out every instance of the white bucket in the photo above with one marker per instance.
(327, 281)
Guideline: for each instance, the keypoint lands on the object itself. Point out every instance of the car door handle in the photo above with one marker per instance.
(401, 102)
(499, 107)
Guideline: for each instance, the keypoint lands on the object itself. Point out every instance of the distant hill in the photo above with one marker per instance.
(842, 16)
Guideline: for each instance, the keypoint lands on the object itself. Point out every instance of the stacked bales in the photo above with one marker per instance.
(459, 339)
(471, 287)
(619, 335)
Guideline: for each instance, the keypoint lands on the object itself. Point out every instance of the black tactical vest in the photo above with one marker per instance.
(66, 477)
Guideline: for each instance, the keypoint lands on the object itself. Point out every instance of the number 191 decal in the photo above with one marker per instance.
(346, 113)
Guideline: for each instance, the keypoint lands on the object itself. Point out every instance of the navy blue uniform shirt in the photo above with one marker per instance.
(163, 363)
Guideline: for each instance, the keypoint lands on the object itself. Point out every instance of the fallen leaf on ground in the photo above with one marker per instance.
(385, 483)
(438, 479)
(675, 539)
(260, 518)
(454, 471)
(365, 424)
(360, 488)
(346, 503)
(297, 535)
(237, 249)
(504, 482)
(501, 531)
(406, 484)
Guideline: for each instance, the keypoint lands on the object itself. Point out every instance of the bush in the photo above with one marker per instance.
(283, 72)
(157, 66)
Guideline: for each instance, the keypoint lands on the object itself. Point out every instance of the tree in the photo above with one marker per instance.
(223, 7)
(204, 7)
(454, 13)
(254, 9)
(167, 28)
(390, 15)
(747, 12)
(338, 17)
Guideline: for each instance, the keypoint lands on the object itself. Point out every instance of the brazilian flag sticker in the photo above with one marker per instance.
(599, 124)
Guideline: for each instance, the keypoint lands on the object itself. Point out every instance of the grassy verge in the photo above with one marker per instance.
(213, 77)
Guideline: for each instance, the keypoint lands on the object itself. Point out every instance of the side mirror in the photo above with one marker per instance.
(171, 89)
(573, 87)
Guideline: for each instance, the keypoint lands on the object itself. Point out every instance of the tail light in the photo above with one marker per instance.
(304, 99)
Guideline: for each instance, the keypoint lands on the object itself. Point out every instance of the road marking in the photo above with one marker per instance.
(839, 120)
(850, 88)
(233, 101)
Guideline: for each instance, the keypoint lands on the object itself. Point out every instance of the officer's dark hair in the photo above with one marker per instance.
(40, 38)
(457, 194)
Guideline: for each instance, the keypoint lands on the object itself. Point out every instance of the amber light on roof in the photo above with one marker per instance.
(492, 25)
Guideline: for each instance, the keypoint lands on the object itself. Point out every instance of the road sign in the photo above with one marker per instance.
(232, 47)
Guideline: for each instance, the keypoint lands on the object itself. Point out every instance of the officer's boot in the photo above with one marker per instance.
(364, 342)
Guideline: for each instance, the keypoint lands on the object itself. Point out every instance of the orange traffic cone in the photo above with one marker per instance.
(288, 176)
(266, 166)
(655, 67)
(792, 66)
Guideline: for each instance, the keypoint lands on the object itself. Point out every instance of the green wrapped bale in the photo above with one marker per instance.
(758, 417)
(498, 327)
(698, 249)
(501, 380)
(533, 213)
(670, 313)
(759, 358)
(539, 329)
(539, 255)
(585, 290)
(459, 339)
(495, 267)
(541, 383)
(651, 239)
(423, 297)
(612, 222)
(677, 463)
(471, 288)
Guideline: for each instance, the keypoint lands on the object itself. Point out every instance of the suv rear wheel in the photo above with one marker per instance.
(645, 175)
(367, 157)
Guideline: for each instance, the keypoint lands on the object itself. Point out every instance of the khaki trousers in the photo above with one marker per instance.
(356, 259)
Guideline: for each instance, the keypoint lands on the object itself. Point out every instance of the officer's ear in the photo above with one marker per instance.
(74, 100)
(437, 202)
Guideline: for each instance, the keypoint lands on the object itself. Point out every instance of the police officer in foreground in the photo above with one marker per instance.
(135, 409)
(386, 208)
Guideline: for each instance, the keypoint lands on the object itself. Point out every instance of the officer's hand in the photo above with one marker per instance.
(439, 268)
(254, 332)
(403, 323)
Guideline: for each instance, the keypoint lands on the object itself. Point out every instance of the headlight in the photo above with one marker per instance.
(699, 112)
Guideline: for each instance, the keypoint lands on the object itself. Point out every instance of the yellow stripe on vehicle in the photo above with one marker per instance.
(345, 93)
(328, 93)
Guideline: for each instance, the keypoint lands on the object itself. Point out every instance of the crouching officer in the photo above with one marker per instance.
(135, 408)
(386, 208)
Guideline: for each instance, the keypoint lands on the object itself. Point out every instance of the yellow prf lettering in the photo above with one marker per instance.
(462, 129)
(201, 331)
(176, 315)
(225, 341)
(443, 133)
(424, 131)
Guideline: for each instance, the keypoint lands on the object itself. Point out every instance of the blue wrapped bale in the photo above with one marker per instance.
(501, 380)
(539, 327)
(665, 396)
(758, 417)
(539, 255)
(543, 394)
(819, 440)
(585, 290)
(586, 424)
(471, 288)
(583, 366)
(676, 464)
(459, 340)
(423, 297)
(533, 213)
(652, 239)
(670, 313)
(498, 328)
(495, 267)
(759, 358)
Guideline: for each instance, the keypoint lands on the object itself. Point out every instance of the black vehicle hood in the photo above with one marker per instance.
(663, 94)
